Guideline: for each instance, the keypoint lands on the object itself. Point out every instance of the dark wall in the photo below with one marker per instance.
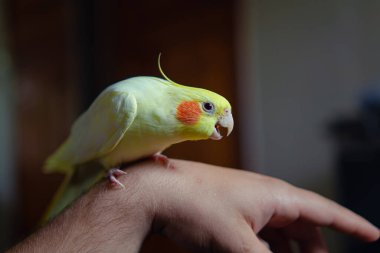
(66, 52)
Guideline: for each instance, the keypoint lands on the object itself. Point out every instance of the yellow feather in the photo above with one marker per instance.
(163, 74)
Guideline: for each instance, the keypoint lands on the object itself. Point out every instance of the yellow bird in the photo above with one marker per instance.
(133, 119)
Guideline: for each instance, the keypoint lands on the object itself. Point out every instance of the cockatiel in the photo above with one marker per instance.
(133, 119)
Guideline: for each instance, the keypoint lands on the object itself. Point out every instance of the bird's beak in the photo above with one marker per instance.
(225, 121)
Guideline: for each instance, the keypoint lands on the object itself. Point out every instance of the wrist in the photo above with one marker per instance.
(103, 220)
(118, 218)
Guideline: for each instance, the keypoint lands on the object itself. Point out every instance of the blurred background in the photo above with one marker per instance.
(302, 76)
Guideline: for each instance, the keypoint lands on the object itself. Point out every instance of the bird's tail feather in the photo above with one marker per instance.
(60, 160)
(76, 183)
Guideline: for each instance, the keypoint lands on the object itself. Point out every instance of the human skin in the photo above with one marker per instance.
(202, 207)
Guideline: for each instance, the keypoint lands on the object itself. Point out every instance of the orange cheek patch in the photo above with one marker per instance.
(188, 112)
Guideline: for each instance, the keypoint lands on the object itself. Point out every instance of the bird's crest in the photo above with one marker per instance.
(164, 75)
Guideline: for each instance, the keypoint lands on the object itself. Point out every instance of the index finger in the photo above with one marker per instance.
(324, 212)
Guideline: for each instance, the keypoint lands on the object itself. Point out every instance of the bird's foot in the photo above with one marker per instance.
(113, 174)
(163, 160)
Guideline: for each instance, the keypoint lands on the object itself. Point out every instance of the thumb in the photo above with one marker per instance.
(240, 238)
(259, 245)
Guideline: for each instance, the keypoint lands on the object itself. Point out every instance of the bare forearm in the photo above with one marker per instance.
(103, 220)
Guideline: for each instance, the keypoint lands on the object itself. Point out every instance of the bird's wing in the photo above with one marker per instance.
(97, 131)
(100, 129)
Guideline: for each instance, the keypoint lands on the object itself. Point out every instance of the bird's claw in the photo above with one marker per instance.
(113, 174)
(163, 160)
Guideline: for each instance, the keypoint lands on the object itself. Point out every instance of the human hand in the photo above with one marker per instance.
(202, 207)
(217, 209)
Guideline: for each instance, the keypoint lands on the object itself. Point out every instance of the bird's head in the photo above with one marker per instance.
(202, 113)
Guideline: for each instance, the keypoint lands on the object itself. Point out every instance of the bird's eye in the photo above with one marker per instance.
(208, 107)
